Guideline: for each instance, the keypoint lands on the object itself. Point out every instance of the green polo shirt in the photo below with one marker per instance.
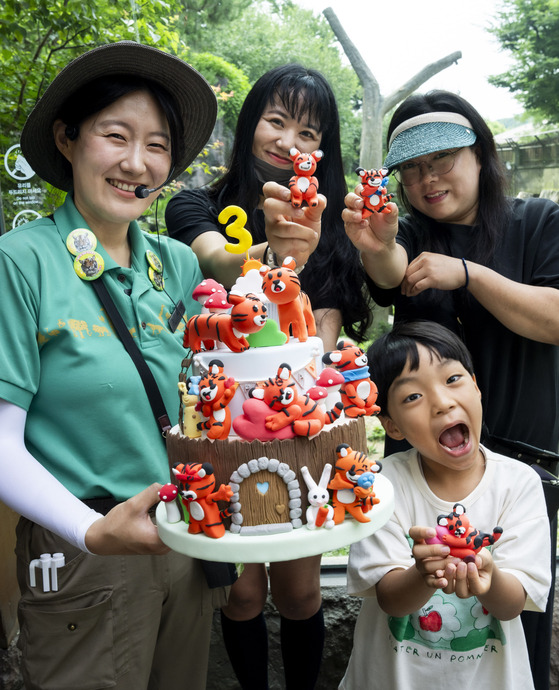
(89, 421)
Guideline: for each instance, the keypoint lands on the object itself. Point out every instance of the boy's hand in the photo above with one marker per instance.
(431, 560)
(469, 579)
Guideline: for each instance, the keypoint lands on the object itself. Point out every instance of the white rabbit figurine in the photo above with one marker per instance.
(319, 513)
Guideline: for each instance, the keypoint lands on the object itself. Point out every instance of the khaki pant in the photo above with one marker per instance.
(124, 622)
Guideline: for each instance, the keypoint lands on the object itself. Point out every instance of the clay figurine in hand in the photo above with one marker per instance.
(374, 194)
(465, 541)
(319, 513)
(303, 185)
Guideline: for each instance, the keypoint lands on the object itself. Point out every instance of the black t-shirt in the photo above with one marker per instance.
(191, 212)
(518, 377)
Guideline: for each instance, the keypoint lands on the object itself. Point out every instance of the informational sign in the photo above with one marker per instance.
(23, 194)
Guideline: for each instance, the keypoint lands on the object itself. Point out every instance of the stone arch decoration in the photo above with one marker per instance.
(272, 490)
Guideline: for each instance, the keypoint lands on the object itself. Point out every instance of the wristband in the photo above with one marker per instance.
(269, 257)
(271, 260)
(467, 274)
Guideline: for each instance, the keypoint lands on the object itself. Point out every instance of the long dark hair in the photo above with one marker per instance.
(334, 268)
(493, 207)
(99, 93)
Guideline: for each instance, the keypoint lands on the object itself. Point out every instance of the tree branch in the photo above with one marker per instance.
(353, 55)
(420, 78)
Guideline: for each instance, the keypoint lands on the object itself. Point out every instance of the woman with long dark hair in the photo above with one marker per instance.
(289, 106)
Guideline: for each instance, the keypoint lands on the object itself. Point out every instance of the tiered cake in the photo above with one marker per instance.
(261, 407)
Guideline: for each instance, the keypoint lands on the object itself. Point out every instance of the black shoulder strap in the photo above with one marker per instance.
(150, 384)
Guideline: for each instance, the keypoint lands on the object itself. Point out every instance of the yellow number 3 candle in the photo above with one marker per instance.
(236, 229)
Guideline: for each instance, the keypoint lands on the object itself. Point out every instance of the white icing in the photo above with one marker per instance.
(261, 363)
(272, 547)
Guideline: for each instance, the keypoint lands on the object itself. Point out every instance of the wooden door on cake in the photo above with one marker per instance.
(267, 495)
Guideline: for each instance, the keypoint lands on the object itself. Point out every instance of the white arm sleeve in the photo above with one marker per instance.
(29, 489)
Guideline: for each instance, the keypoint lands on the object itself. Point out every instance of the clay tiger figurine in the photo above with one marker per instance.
(304, 185)
(216, 392)
(464, 541)
(304, 415)
(348, 493)
(283, 287)
(358, 392)
(196, 489)
(374, 194)
(248, 315)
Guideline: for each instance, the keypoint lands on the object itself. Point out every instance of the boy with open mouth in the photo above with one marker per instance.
(428, 617)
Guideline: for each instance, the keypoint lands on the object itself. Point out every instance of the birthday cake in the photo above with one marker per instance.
(264, 418)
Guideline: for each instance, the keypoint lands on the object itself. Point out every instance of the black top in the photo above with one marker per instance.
(518, 377)
(192, 212)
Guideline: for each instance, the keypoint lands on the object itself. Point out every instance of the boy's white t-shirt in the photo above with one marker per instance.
(450, 642)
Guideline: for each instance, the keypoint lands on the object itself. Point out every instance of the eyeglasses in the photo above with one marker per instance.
(440, 163)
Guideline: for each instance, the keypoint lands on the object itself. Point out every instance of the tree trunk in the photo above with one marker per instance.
(375, 106)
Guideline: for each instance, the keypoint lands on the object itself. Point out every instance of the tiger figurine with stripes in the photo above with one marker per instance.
(282, 287)
(248, 315)
(196, 489)
(216, 391)
(349, 494)
(359, 394)
(304, 415)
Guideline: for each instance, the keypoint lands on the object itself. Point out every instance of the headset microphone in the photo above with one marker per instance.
(142, 192)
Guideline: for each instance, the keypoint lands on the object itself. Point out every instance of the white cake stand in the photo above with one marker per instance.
(286, 546)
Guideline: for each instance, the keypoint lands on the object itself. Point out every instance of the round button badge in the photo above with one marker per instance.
(81, 240)
(89, 265)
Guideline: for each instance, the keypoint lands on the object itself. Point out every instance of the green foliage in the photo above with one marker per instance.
(298, 36)
(231, 84)
(529, 29)
(39, 37)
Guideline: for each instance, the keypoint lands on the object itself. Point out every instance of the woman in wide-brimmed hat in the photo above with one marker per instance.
(480, 263)
(80, 448)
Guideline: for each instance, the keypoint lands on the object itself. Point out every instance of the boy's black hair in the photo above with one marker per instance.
(389, 354)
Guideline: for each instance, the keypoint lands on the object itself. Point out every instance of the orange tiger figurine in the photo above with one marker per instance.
(216, 392)
(196, 488)
(464, 541)
(248, 315)
(304, 415)
(358, 392)
(282, 287)
(303, 185)
(349, 494)
(374, 194)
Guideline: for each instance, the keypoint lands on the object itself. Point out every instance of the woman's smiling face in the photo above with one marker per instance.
(125, 145)
(277, 132)
(452, 197)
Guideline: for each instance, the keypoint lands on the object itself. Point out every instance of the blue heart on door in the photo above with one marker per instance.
(263, 487)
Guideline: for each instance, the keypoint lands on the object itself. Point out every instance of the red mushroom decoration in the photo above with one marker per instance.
(168, 493)
(318, 394)
(217, 303)
(206, 289)
(331, 380)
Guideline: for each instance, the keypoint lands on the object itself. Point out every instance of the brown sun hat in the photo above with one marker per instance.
(194, 97)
